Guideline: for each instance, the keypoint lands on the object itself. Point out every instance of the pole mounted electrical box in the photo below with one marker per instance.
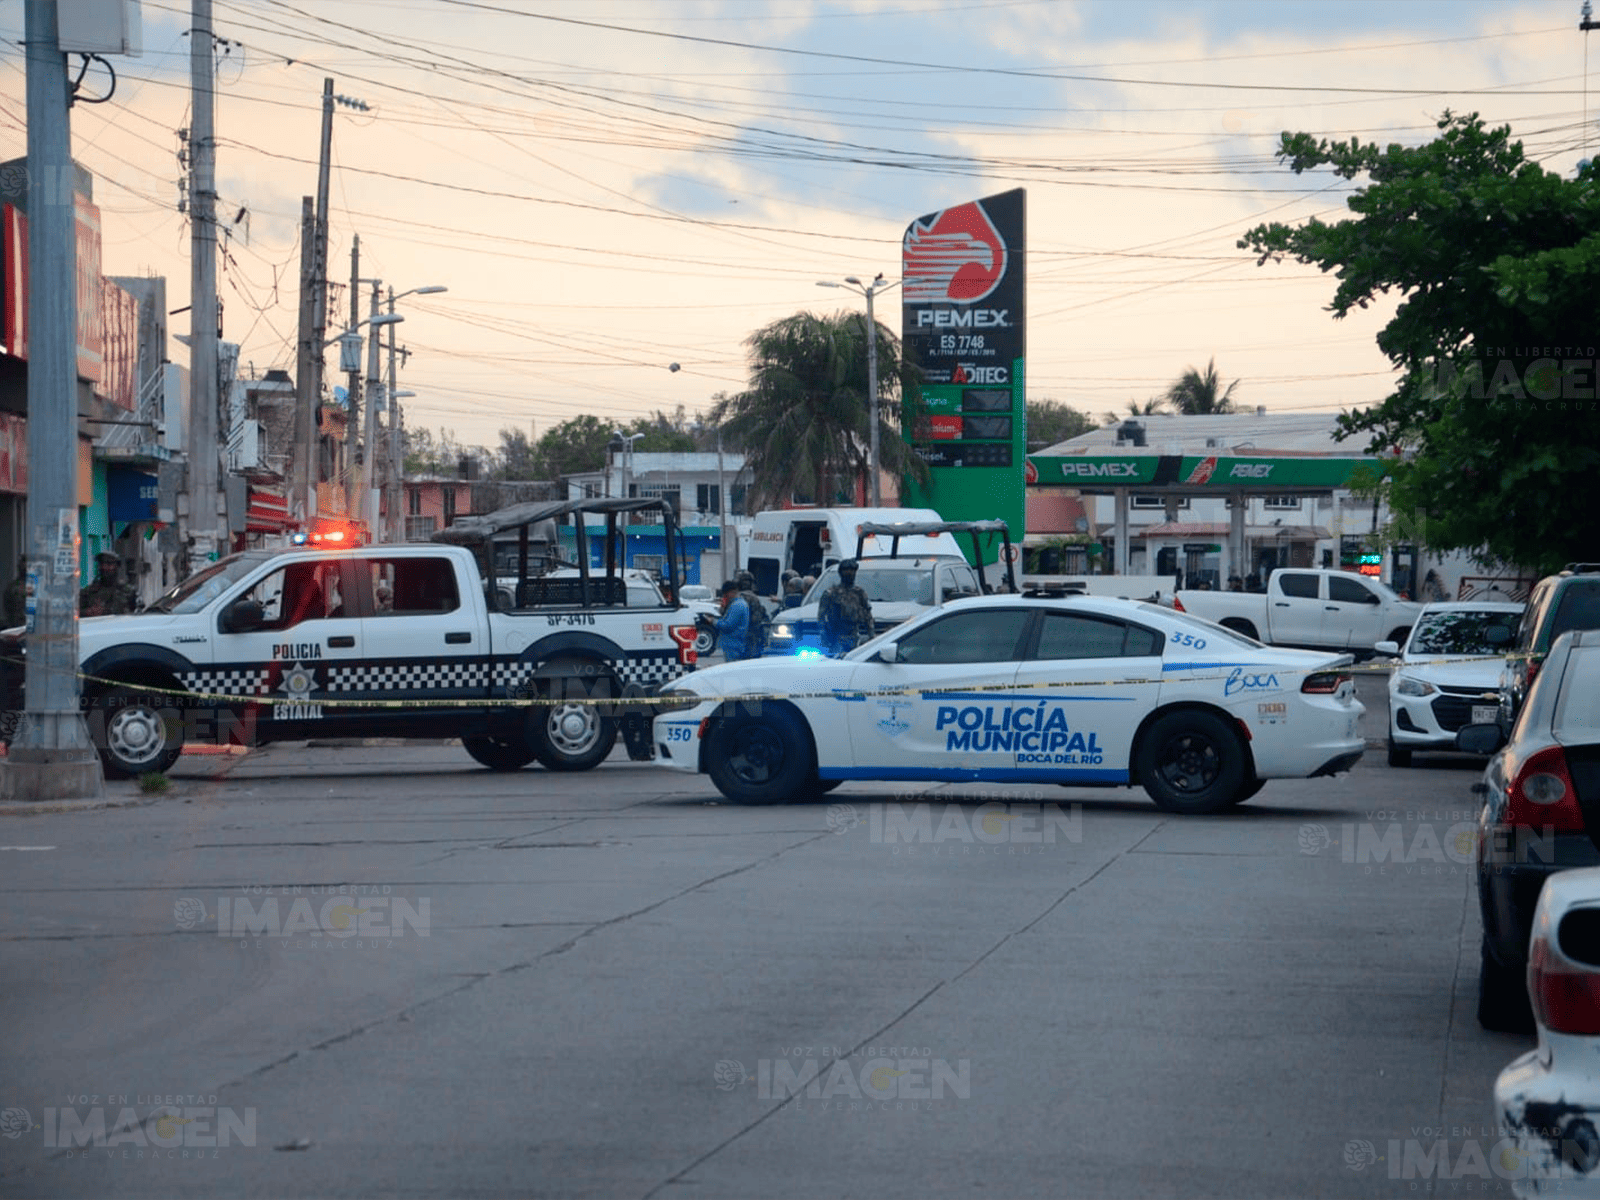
(99, 27)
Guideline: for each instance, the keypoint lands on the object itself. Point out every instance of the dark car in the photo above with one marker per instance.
(1541, 814)
(1559, 603)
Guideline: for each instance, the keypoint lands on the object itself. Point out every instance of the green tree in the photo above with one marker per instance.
(1135, 409)
(573, 447)
(426, 454)
(1050, 421)
(803, 421)
(1496, 263)
(663, 432)
(518, 457)
(1199, 392)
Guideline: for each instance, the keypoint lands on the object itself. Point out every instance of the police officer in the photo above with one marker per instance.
(733, 627)
(16, 600)
(107, 595)
(845, 614)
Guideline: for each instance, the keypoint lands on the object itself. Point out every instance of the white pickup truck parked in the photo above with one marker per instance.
(1310, 607)
(400, 641)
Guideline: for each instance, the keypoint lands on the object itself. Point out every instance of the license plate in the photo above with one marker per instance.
(1485, 714)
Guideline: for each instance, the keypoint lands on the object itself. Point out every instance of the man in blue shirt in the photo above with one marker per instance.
(733, 627)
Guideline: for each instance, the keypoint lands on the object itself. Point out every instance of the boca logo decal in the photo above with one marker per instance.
(957, 258)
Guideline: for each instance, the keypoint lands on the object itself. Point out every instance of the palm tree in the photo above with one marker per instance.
(1196, 393)
(1135, 409)
(802, 423)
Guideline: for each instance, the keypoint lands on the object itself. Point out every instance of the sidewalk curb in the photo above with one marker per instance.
(44, 807)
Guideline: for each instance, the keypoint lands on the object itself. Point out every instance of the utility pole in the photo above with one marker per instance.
(366, 479)
(52, 757)
(203, 450)
(352, 404)
(304, 498)
(392, 481)
(313, 323)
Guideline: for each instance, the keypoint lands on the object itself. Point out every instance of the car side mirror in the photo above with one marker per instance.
(243, 616)
(1392, 649)
(887, 653)
(1480, 739)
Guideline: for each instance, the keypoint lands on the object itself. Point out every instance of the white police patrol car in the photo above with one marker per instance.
(1079, 691)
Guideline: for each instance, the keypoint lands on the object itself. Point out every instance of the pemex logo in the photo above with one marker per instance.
(957, 257)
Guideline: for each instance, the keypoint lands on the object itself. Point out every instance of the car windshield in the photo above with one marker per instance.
(199, 590)
(1578, 711)
(899, 584)
(1463, 631)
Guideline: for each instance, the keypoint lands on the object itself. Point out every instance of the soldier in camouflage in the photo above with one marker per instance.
(845, 614)
(107, 595)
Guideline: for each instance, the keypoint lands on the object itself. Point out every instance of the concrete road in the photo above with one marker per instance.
(612, 984)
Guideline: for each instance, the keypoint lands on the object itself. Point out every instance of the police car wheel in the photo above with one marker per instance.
(136, 734)
(761, 760)
(498, 754)
(1191, 762)
(572, 733)
(1250, 788)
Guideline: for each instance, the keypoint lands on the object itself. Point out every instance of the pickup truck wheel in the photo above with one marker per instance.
(1191, 762)
(498, 754)
(705, 641)
(761, 760)
(136, 733)
(1240, 625)
(572, 734)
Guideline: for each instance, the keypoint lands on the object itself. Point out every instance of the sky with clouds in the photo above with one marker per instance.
(612, 186)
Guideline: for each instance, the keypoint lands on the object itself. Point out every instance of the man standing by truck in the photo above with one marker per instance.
(733, 626)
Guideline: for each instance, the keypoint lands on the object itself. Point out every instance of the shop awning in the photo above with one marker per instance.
(268, 512)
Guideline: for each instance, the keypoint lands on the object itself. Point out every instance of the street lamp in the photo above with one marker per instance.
(396, 471)
(622, 441)
(869, 290)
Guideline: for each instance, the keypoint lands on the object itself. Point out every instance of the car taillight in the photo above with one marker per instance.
(1565, 993)
(1542, 794)
(684, 636)
(1178, 604)
(1325, 683)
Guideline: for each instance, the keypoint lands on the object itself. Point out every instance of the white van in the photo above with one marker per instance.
(809, 540)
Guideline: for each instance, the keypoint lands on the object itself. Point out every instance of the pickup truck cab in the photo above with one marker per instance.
(1313, 608)
(407, 641)
(902, 580)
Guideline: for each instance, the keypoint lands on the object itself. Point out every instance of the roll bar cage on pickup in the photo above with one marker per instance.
(975, 529)
(482, 532)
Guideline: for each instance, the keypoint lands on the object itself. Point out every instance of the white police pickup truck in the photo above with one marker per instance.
(385, 641)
